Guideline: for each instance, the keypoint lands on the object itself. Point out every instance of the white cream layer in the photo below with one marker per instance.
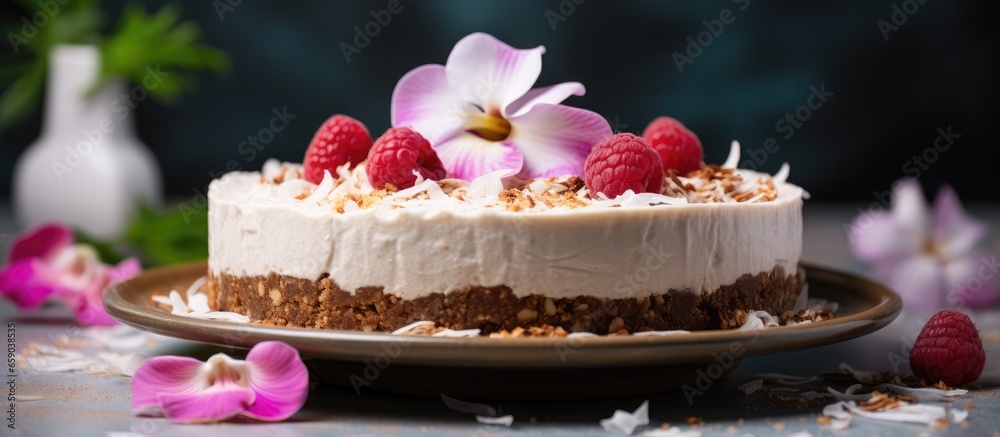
(434, 247)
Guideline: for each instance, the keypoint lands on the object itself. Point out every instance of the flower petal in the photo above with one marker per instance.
(218, 403)
(910, 208)
(971, 281)
(879, 236)
(276, 373)
(27, 282)
(165, 375)
(556, 139)
(127, 269)
(468, 156)
(554, 94)
(424, 100)
(40, 242)
(918, 280)
(89, 311)
(955, 231)
(486, 71)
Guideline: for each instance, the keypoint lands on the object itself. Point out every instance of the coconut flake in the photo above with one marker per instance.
(322, 190)
(469, 407)
(197, 305)
(752, 386)
(659, 333)
(411, 326)
(457, 333)
(581, 335)
(759, 320)
(782, 175)
(904, 412)
(271, 169)
(502, 420)
(294, 189)
(734, 155)
(625, 422)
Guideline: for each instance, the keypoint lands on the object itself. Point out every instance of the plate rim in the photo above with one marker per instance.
(504, 352)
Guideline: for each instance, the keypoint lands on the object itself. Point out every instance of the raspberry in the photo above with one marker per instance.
(678, 147)
(620, 163)
(948, 349)
(341, 139)
(396, 154)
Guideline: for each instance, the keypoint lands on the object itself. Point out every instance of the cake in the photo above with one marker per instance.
(523, 213)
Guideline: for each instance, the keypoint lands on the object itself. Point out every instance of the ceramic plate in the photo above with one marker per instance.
(424, 365)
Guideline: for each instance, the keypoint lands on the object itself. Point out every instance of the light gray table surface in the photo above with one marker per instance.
(77, 404)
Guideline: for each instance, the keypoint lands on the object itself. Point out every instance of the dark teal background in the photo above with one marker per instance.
(937, 70)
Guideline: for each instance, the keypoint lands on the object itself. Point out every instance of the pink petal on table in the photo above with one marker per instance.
(955, 231)
(220, 402)
(879, 236)
(425, 101)
(27, 282)
(166, 375)
(556, 139)
(280, 379)
(918, 280)
(554, 94)
(972, 281)
(488, 72)
(40, 242)
(467, 156)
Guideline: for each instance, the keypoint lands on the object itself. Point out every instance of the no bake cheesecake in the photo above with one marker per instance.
(522, 213)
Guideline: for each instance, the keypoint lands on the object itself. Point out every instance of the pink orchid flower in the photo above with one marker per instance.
(481, 115)
(271, 385)
(931, 261)
(44, 263)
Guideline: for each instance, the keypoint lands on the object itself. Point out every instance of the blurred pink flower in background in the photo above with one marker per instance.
(43, 263)
(929, 257)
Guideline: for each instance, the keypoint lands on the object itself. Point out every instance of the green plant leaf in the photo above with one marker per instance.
(157, 41)
(171, 237)
(21, 98)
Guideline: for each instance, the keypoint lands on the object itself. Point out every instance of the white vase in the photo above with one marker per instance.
(87, 169)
